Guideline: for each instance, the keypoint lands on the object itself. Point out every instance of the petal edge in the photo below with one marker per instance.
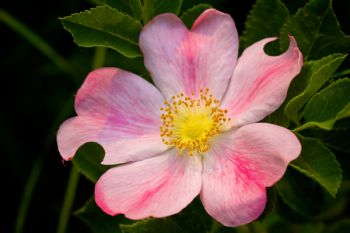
(155, 187)
(260, 82)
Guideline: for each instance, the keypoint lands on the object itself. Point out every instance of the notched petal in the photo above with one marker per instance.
(118, 110)
(260, 82)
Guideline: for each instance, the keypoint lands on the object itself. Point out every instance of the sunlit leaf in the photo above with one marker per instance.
(105, 26)
(328, 106)
(313, 76)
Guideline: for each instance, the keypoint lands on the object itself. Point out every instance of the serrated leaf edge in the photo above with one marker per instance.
(66, 18)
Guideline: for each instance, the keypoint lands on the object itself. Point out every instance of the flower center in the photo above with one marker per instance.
(190, 122)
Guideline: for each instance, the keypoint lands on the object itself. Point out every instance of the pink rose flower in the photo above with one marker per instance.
(195, 131)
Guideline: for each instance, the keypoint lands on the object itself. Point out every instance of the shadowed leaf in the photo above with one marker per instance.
(152, 8)
(316, 30)
(189, 16)
(319, 163)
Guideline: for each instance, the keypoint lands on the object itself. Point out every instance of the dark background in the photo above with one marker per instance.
(36, 97)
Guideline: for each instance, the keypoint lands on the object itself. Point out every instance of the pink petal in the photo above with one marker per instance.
(240, 165)
(260, 82)
(182, 60)
(155, 187)
(118, 110)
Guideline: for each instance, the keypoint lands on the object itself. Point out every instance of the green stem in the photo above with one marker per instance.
(39, 44)
(28, 194)
(98, 61)
(341, 73)
(68, 199)
(37, 169)
(302, 127)
(99, 58)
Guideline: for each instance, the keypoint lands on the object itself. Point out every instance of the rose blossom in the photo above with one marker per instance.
(195, 131)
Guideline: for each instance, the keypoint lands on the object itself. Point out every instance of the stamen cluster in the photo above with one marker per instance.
(189, 122)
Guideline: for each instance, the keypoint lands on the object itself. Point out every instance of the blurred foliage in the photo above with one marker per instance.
(42, 70)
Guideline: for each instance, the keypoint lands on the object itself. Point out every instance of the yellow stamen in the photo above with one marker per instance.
(189, 123)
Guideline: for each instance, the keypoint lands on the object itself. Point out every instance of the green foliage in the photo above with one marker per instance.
(105, 26)
(313, 76)
(98, 221)
(264, 20)
(316, 30)
(189, 16)
(152, 8)
(300, 194)
(328, 106)
(152, 225)
(319, 163)
(278, 117)
(317, 100)
(131, 7)
(88, 160)
(192, 219)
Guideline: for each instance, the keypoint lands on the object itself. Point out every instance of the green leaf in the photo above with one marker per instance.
(300, 193)
(106, 27)
(319, 163)
(98, 221)
(192, 219)
(278, 117)
(129, 7)
(313, 76)
(328, 106)
(88, 160)
(195, 213)
(264, 20)
(316, 30)
(152, 226)
(152, 8)
(190, 15)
